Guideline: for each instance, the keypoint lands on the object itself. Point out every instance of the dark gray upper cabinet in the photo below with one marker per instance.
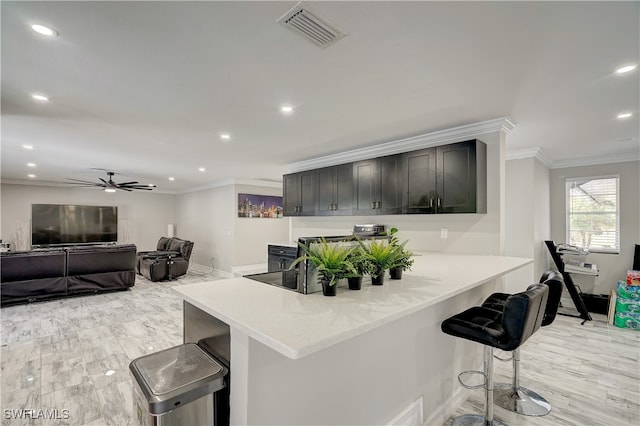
(420, 182)
(377, 186)
(462, 177)
(299, 193)
(444, 179)
(335, 190)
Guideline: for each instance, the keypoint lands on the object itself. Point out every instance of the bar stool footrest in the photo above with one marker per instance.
(466, 375)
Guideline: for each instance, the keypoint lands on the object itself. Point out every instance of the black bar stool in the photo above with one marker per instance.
(512, 396)
(506, 329)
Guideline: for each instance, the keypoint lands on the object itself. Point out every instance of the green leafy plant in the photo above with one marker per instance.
(403, 257)
(380, 254)
(330, 259)
(360, 261)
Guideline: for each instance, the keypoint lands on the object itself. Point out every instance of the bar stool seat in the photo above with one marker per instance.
(512, 396)
(506, 328)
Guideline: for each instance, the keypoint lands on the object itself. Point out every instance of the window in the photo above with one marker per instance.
(593, 218)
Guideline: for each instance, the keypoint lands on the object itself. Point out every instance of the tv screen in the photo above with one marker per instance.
(63, 224)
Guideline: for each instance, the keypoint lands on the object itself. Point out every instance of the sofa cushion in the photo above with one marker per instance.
(32, 265)
(176, 244)
(101, 259)
(163, 243)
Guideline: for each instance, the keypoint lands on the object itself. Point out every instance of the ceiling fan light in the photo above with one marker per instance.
(109, 190)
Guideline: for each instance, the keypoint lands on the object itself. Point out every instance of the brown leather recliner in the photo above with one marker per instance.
(170, 260)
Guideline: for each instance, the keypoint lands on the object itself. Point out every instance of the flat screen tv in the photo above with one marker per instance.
(64, 224)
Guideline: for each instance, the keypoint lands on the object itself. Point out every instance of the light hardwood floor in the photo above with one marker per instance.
(55, 354)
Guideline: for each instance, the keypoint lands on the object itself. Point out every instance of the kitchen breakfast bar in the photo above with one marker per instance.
(373, 356)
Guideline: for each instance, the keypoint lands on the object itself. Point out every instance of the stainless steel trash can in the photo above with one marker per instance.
(176, 386)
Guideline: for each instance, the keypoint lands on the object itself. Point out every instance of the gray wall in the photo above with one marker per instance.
(142, 217)
(210, 218)
(527, 219)
(613, 267)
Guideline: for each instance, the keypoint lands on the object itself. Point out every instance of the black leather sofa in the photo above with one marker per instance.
(170, 260)
(33, 275)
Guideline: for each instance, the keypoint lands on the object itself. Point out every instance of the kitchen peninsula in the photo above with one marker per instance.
(361, 357)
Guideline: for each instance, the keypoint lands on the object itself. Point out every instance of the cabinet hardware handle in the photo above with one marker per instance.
(431, 202)
(439, 203)
(335, 207)
(373, 204)
(379, 205)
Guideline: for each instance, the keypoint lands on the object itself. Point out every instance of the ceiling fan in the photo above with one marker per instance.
(111, 186)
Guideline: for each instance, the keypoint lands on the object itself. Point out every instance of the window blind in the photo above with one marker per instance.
(592, 213)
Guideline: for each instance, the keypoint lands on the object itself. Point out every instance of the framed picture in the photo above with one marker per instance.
(260, 206)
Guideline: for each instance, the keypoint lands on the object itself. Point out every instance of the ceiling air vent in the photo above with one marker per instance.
(310, 24)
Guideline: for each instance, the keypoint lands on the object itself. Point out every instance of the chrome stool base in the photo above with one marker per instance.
(475, 420)
(520, 400)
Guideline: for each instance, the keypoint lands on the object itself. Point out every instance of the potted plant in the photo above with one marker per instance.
(361, 264)
(402, 261)
(381, 256)
(331, 261)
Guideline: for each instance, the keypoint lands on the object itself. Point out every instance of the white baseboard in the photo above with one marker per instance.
(410, 416)
(446, 410)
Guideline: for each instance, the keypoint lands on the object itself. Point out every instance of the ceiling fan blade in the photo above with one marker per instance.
(105, 182)
(82, 181)
(141, 188)
(127, 183)
(125, 189)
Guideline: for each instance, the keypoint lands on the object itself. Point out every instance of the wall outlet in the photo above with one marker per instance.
(444, 233)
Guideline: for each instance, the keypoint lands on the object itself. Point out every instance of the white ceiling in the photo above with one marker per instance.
(145, 88)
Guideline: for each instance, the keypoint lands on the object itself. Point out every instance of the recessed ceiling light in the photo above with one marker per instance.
(46, 31)
(31, 164)
(109, 373)
(31, 176)
(27, 147)
(624, 115)
(625, 69)
(41, 98)
(109, 190)
(171, 178)
(202, 169)
(286, 108)
(225, 136)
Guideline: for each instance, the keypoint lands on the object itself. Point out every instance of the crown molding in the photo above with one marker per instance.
(574, 162)
(232, 181)
(593, 161)
(455, 134)
(536, 152)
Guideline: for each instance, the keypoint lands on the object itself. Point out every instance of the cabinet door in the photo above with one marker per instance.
(377, 187)
(344, 190)
(326, 191)
(364, 177)
(299, 194)
(308, 197)
(389, 185)
(457, 178)
(291, 194)
(420, 182)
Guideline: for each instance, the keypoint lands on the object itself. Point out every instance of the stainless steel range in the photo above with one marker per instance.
(304, 278)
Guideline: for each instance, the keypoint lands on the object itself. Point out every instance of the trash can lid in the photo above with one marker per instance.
(177, 376)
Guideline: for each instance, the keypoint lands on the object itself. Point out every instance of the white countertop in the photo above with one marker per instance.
(297, 325)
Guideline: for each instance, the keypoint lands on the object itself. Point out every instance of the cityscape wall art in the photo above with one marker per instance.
(260, 206)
